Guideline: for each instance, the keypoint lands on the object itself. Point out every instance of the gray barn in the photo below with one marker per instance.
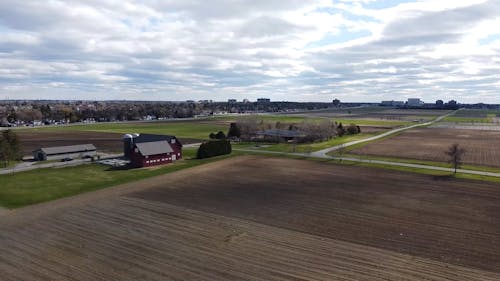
(62, 152)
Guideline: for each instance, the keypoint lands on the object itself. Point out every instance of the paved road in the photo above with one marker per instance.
(22, 167)
(324, 152)
(191, 145)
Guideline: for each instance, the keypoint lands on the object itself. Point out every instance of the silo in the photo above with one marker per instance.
(128, 145)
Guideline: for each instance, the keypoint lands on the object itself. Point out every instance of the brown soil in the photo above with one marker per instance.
(431, 143)
(256, 218)
(374, 129)
(105, 142)
(382, 114)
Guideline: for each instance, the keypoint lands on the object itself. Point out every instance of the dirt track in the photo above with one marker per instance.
(430, 144)
(252, 218)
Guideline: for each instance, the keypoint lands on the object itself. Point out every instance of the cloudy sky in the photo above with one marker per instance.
(297, 50)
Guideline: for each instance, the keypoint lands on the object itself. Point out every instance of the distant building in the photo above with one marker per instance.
(231, 100)
(63, 152)
(392, 103)
(263, 100)
(414, 102)
(145, 150)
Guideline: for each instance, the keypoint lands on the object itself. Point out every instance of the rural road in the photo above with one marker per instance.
(192, 145)
(22, 167)
(324, 152)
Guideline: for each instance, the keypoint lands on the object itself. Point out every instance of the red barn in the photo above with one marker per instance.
(145, 150)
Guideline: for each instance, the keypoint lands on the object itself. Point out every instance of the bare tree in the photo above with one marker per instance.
(455, 152)
(340, 151)
(248, 127)
(10, 148)
(317, 131)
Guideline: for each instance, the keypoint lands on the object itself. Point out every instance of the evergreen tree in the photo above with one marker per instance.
(234, 131)
(220, 135)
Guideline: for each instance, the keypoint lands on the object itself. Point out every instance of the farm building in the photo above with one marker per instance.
(62, 152)
(144, 150)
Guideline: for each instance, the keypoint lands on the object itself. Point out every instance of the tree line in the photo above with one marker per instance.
(10, 147)
(70, 112)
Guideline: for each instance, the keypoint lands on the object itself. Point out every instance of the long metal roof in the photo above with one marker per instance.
(68, 149)
(154, 148)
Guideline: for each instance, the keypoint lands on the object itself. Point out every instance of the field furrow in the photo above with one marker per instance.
(270, 221)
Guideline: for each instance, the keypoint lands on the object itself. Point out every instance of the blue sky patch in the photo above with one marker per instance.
(342, 37)
(489, 39)
(383, 4)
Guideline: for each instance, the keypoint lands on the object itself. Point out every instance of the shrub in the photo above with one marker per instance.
(219, 136)
(353, 129)
(213, 148)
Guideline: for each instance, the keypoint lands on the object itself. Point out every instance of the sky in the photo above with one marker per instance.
(294, 50)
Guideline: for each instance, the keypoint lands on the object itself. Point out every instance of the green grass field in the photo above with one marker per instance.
(184, 129)
(36, 186)
(473, 116)
(4, 165)
(272, 118)
(301, 118)
(421, 162)
(344, 121)
(458, 119)
(374, 122)
(200, 129)
(430, 172)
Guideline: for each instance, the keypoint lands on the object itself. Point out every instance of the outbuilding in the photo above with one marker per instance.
(63, 152)
(280, 135)
(145, 150)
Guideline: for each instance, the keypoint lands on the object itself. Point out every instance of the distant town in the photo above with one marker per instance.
(14, 113)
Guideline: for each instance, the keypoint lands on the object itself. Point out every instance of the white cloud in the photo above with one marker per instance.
(293, 50)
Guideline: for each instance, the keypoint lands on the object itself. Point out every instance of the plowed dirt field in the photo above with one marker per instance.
(482, 147)
(257, 218)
